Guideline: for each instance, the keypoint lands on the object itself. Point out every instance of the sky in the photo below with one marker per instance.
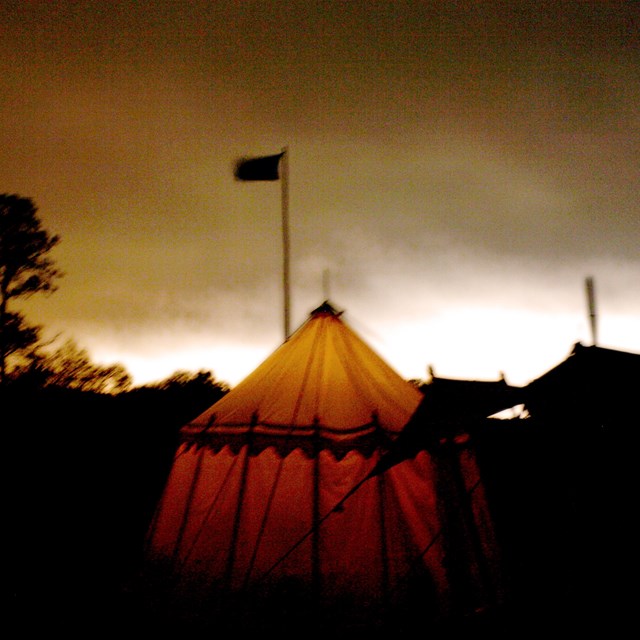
(456, 171)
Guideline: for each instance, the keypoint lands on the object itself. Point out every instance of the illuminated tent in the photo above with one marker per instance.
(272, 498)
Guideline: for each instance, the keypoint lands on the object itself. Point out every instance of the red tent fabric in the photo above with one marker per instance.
(270, 493)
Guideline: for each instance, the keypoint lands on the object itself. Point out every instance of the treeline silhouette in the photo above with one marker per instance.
(88, 454)
(85, 473)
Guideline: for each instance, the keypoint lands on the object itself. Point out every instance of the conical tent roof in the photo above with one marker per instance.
(271, 497)
(323, 381)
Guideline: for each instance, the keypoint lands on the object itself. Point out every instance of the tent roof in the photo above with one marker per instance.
(596, 382)
(461, 401)
(449, 408)
(323, 387)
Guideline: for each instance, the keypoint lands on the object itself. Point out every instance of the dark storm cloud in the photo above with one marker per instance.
(437, 150)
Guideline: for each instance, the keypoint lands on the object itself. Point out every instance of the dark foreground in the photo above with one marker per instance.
(84, 480)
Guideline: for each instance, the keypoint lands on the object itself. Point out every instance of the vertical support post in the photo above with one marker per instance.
(316, 569)
(284, 183)
(326, 294)
(591, 301)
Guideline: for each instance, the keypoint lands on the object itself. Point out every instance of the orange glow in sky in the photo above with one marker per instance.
(458, 169)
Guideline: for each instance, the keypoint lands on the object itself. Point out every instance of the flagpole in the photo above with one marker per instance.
(284, 184)
(273, 167)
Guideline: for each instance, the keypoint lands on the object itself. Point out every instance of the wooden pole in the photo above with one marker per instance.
(284, 183)
(326, 293)
(591, 301)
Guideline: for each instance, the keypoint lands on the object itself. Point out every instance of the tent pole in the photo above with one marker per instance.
(591, 301)
(315, 540)
(284, 184)
(326, 295)
(233, 546)
(385, 582)
(186, 515)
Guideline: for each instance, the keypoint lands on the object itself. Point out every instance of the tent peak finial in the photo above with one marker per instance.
(326, 308)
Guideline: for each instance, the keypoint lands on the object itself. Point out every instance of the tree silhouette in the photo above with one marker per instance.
(70, 367)
(25, 269)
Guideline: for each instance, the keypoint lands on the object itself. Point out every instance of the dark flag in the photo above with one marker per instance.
(261, 168)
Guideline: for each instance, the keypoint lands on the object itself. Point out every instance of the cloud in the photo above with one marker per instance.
(447, 161)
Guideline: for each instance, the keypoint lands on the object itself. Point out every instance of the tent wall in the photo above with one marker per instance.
(277, 490)
(270, 523)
